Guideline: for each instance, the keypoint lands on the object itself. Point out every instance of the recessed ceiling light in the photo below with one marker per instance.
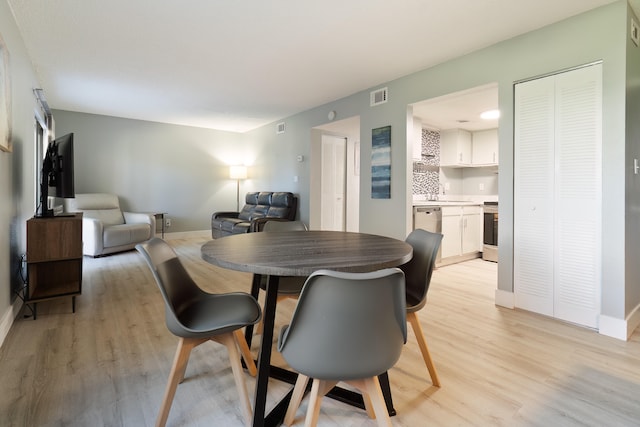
(490, 115)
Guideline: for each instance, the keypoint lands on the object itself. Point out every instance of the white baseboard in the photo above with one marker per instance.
(7, 319)
(619, 328)
(505, 298)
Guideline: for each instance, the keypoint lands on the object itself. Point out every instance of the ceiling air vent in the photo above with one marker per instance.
(379, 96)
(280, 128)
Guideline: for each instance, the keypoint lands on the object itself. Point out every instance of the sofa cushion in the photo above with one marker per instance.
(102, 206)
(227, 224)
(123, 234)
(106, 216)
(241, 227)
(246, 212)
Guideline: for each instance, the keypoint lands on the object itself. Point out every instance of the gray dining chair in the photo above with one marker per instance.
(346, 327)
(417, 274)
(289, 287)
(196, 316)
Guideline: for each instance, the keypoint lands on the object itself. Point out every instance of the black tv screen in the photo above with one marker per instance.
(63, 168)
(57, 178)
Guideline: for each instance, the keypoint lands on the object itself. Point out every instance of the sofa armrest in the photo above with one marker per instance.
(139, 218)
(92, 231)
(225, 215)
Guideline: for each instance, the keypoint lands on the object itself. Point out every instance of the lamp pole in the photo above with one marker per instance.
(238, 173)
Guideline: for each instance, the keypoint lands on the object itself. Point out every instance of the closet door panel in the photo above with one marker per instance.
(533, 198)
(577, 273)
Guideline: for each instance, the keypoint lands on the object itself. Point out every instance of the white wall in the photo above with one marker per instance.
(180, 170)
(17, 169)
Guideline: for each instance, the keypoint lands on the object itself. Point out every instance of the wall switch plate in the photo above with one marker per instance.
(167, 222)
(481, 186)
(635, 32)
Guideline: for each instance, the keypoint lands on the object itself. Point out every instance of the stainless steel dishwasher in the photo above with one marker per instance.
(428, 218)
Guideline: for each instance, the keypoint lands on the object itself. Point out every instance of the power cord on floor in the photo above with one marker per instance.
(22, 290)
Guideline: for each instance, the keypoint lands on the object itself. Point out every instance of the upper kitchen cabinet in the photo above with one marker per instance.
(455, 148)
(485, 148)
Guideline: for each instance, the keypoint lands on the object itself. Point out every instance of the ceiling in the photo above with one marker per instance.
(460, 110)
(239, 64)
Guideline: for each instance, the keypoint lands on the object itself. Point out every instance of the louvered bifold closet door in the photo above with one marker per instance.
(558, 152)
(578, 195)
(533, 195)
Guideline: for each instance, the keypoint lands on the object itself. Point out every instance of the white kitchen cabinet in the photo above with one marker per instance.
(451, 231)
(471, 229)
(484, 147)
(461, 230)
(455, 148)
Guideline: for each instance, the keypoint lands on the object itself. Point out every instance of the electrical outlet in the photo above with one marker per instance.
(481, 186)
(167, 222)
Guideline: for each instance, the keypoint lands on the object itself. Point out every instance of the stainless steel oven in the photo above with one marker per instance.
(490, 235)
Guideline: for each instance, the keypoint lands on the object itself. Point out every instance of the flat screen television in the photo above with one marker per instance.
(57, 177)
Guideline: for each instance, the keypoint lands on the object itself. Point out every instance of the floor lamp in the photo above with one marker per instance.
(238, 173)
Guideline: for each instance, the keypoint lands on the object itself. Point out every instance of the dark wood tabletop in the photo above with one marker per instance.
(295, 253)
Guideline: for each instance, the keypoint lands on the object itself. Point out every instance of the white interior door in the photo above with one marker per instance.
(533, 195)
(578, 195)
(557, 195)
(333, 183)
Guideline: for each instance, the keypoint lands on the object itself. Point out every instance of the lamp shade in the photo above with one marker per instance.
(238, 172)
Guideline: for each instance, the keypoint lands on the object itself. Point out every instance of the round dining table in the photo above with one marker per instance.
(300, 253)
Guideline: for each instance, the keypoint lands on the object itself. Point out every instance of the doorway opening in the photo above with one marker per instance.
(335, 176)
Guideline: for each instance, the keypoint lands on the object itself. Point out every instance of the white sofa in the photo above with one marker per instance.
(105, 228)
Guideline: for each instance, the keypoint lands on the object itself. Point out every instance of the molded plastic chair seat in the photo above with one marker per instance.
(288, 286)
(197, 316)
(346, 327)
(418, 273)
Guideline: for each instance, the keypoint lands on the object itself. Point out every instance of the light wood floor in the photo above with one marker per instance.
(107, 364)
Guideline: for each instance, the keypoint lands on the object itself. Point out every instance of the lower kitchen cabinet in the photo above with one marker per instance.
(462, 231)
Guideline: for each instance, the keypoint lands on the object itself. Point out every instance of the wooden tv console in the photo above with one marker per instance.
(54, 259)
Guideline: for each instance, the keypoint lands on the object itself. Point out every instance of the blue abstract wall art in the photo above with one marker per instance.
(381, 163)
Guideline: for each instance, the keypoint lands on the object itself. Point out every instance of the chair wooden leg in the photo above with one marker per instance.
(185, 345)
(372, 388)
(362, 386)
(313, 411)
(234, 357)
(318, 389)
(246, 352)
(296, 398)
(422, 343)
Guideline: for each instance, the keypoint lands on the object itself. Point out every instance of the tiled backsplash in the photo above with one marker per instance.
(425, 173)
